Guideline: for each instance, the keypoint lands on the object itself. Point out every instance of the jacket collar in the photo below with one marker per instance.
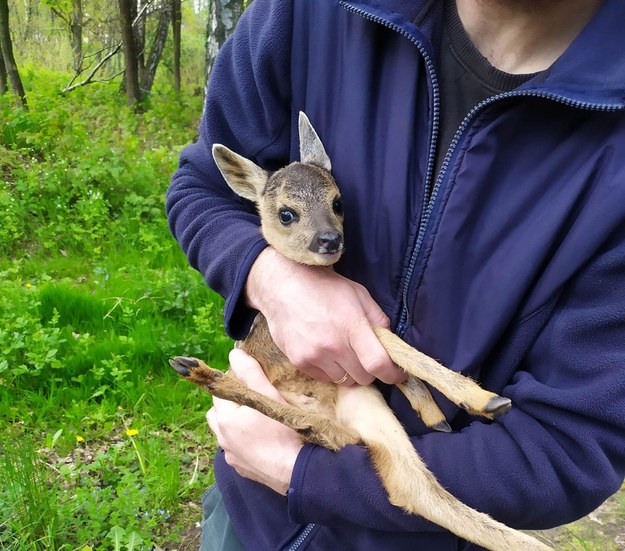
(593, 67)
(591, 72)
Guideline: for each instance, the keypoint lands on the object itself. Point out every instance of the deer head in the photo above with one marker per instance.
(300, 205)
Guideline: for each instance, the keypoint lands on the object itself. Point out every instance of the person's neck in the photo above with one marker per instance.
(524, 36)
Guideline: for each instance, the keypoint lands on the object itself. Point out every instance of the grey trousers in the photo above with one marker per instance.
(217, 531)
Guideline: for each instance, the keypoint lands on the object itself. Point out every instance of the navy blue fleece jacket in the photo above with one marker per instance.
(508, 266)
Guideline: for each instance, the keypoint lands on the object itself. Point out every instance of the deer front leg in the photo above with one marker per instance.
(461, 390)
(314, 428)
(423, 403)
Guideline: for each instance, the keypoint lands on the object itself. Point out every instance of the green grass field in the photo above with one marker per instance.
(103, 446)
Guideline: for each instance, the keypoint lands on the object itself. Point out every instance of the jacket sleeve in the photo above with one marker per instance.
(557, 455)
(247, 109)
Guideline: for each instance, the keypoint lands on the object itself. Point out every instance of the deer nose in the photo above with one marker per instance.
(329, 242)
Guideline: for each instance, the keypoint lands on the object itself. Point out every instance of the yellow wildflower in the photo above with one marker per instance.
(79, 439)
(132, 432)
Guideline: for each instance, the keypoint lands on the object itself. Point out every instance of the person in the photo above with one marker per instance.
(480, 150)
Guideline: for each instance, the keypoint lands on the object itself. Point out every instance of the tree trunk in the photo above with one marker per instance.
(133, 93)
(30, 11)
(75, 32)
(6, 46)
(176, 18)
(139, 34)
(160, 37)
(222, 18)
(72, 16)
(3, 76)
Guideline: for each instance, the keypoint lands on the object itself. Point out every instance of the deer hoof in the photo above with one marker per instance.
(498, 406)
(443, 426)
(184, 365)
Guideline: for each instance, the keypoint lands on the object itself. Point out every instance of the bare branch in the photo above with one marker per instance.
(60, 15)
(141, 12)
(89, 78)
(93, 54)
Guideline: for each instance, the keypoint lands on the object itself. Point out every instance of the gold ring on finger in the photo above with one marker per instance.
(341, 380)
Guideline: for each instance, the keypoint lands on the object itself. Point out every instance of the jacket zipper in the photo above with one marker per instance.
(427, 195)
(426, 216)
(302, 537)
(431, 196)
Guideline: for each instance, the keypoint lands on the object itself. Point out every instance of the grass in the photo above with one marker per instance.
(103, 446)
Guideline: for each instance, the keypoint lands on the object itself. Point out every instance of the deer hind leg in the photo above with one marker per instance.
(314, 428)
(461, 390)
(409, 483)
(423, 403)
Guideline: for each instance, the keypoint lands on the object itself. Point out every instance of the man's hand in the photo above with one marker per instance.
(256, 446)
(321, 320)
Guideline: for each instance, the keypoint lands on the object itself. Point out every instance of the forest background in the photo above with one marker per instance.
(102, 445)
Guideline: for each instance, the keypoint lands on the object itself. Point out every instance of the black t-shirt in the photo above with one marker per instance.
(466, 78)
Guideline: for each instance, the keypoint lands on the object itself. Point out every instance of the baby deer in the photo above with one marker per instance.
(302, 217)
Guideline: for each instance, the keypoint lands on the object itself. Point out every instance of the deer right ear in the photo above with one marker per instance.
(311, 149)
(243, 176)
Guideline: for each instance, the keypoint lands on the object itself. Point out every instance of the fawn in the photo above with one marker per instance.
(301, 217)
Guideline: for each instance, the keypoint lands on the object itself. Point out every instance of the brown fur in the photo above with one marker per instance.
(334, 416)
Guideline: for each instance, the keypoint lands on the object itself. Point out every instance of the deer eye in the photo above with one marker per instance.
(337, 206)
(287, 216)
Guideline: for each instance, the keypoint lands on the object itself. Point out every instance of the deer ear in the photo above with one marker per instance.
(311, 149)
(243, 176)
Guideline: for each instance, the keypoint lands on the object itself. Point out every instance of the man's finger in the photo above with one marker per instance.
(251, 374)
(315, 373)
(351, 365)
(373, 312)
(374, 358)
(224, 407)
(211, 419)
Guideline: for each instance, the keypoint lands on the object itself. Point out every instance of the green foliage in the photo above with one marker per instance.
(104, 494)
(81, 168)
(95, 296)
(30, 512)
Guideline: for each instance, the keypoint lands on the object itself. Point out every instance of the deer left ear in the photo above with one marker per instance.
(311, 150)
(243, 176)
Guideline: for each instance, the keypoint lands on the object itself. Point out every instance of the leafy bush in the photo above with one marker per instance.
(103, 445)
(83, 167)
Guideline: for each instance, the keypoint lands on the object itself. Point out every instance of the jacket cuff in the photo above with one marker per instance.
(294, 494)
(238, 316)
(330, 488)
